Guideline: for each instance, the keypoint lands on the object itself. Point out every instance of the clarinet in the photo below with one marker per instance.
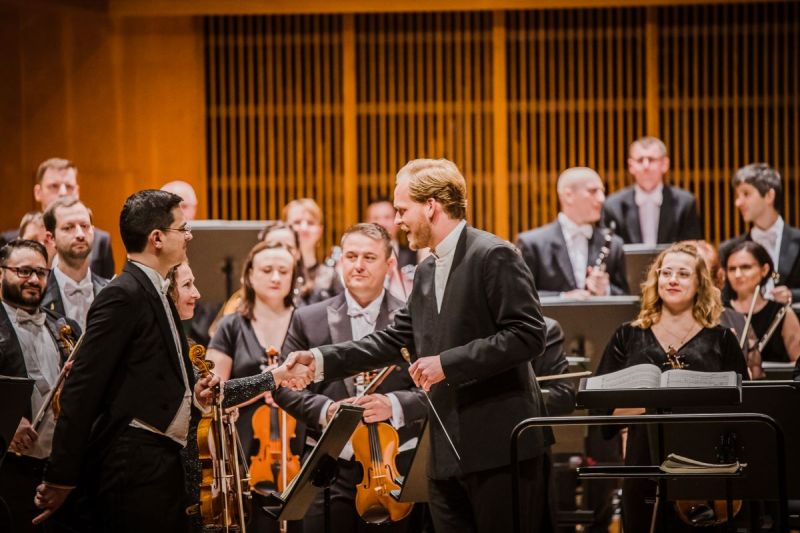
(605, 250)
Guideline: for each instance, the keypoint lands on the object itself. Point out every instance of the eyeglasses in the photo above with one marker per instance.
(185, 229)
(681, 274)
(26, 272)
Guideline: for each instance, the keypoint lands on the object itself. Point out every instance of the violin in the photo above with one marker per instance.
(224, 498)
(375, 446)
(274, 463)
(53, 400)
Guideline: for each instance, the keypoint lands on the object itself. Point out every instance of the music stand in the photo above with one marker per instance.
(638, 258)
(319, 468)
(589, 324)
(778, 371)
(16, 394)
(217, 253)
(414, 485)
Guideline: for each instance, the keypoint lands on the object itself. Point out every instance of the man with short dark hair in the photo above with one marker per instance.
(29, 348)
(126, 407)
(56, 178)
(72, 285)
(759, 193)
(651, 211)
(400, 278)
(364, 306)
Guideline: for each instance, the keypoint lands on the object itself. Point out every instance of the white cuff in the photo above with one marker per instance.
(323, 415)
(397, 420)
(319, 361)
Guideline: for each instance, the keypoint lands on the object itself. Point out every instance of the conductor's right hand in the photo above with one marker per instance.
(300, 370)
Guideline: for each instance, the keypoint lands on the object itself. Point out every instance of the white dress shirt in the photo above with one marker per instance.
(649, 204)
(577, 238)
(443, 255)
(77, 296)
(770, 239)
(178, 429)
(42, 363)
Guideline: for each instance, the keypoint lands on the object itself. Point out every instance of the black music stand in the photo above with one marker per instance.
(319, 468)
(589, 324)
(414, 485)
(217, 253)
(16, 394)
(638, 258)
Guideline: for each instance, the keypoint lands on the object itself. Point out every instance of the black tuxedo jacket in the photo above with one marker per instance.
(102, 257)
(487, 333)
(677, 221)
(12, 362)
(126, 368)
(327, 322)
(52, 295)
(788, 259)
(545, 252)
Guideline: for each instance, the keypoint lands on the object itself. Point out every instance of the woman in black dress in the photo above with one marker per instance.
(679, 316)
(749, 266)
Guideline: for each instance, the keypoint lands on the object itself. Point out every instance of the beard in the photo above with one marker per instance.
(421, 236)
(73, 255)
(14, 296)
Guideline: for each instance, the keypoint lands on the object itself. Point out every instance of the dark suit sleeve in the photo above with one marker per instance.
(412, 402)
(560, 397)
(514, 308)
(734, 358)
(618, 278)
(110, 328)
(304, 405)
(689, 227)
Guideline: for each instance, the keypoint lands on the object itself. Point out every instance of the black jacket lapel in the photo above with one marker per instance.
(630, 215)
(666, 216)
(558, 250)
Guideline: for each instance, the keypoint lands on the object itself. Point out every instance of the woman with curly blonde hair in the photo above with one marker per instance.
(678, 323)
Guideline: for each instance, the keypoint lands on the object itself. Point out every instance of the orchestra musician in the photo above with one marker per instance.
(185, 295)
(127, 403)
(678, 320)
(563, 255)
(473, 324)
(749, 266)
(364, 306)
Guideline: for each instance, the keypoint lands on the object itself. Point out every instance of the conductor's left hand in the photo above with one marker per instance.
(427, 371)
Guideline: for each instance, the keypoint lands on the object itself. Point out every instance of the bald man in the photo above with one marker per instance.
(186, 192)
(563, 254)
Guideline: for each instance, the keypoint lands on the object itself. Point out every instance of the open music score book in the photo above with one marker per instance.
(678, 464)
(647, 376)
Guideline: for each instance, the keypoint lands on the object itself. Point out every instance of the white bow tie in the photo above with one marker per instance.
(24, 317)
(84, 288)
(353, 312)
(584, 229)
(766, 238)
(655, 197)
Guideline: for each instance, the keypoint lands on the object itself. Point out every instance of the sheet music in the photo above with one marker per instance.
(644, 376)
(693, 378)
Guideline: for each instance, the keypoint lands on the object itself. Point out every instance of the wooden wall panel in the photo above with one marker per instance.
(122, 98)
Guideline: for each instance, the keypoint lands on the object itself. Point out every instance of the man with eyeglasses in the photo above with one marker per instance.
(72, 286)
(56, 178)
(127, 405)
(650, 211)
(29, 348)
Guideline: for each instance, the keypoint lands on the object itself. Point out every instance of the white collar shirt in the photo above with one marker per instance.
(577, 238)
(76, 296)
(649, 204)
(443, 254)
(770, 239)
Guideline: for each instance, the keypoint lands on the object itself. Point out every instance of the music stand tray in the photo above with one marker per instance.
(16, 394)
(414, 486)
(318, 469)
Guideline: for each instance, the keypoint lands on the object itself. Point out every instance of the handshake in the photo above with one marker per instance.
(296, 372)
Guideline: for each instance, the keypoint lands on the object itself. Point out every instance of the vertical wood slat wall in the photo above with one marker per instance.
(331, 106)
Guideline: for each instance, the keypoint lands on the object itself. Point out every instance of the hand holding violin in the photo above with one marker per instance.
(49, 498)
(377, 407)
(204, 390)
